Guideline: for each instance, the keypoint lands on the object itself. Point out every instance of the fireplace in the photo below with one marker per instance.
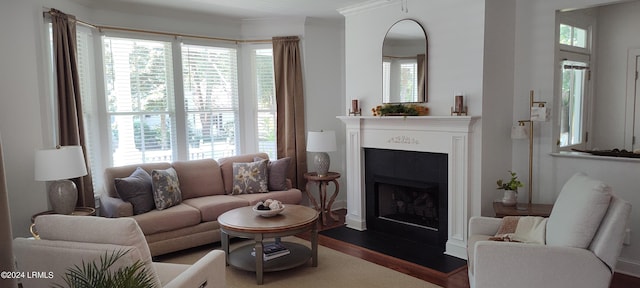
(406, 194)
(448, 135)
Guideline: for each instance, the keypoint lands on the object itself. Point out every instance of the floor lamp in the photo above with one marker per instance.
(537, 113)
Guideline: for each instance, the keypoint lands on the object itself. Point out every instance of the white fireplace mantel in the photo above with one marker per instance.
(436, 134)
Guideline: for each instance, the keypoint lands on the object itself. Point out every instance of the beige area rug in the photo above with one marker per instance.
(335, 269)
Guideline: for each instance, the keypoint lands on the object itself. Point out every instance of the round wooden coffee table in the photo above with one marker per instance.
(243, 222)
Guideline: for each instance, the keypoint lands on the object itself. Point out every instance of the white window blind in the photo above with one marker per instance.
(211, 100)
(139, 93)
(266, 100)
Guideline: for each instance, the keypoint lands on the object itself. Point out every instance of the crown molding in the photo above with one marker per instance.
(361, 7)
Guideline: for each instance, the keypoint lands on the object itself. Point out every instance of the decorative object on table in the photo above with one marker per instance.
(400, 110)
(459, 108)
(321, 143)
(510, 189)
(59, 165)
(97, 274)
(268, 208)
(355, 108)
(537, 112)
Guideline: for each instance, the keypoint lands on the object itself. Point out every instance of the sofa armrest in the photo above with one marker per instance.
(510, 264)
(112, 207)
(479, 225)
(210, 269)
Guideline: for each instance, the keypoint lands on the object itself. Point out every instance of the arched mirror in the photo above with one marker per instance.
(404, 63)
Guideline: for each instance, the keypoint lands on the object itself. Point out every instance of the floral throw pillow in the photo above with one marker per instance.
(250, 177)
(166, 188)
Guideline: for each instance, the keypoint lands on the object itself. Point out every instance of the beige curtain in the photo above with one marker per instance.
(422, 79)
(290, 106)
(6, 257)
(70, 124)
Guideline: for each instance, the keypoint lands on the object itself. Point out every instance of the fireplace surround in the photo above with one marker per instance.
(406, 194)
(449, 135)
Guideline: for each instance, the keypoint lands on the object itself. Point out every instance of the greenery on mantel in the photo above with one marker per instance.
(400, 110)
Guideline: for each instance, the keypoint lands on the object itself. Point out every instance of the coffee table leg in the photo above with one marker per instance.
(225, 245)
(259, 258)
(314, 245)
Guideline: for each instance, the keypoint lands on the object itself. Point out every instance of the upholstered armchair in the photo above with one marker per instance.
(66, 241)
(584, 236)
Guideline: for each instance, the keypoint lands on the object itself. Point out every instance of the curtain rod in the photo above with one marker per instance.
(114, 28)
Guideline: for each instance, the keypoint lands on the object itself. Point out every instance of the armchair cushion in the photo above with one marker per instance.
(577, 212)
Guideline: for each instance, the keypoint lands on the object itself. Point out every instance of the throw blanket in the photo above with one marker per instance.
(526, 229)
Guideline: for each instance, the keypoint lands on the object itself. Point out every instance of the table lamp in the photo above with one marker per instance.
(59, 165)
(321, 143)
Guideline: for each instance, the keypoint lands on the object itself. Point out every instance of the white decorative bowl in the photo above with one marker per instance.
(267, 213)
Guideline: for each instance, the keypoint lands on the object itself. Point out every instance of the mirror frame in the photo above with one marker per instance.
(423, 97)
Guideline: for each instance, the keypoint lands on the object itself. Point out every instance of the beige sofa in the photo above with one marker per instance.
(206, 187)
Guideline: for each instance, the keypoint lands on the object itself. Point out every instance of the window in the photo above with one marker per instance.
(211, 100)
(265, 92)
(399, 79)
(574, 88)
(157, 99)
(139, 95)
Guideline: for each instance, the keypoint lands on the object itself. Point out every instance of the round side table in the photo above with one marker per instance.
(322, 181)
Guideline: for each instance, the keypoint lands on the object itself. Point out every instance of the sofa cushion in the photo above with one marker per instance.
(169, 219)
(199, 178)
(211, 207)
(277, 171)
(578, 211)
(111, 173)
(136, 189)
(250, 177)
(291, 196)
(226, 167)
(166, 188)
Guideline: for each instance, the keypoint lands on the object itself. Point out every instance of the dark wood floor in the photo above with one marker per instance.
(454, 279)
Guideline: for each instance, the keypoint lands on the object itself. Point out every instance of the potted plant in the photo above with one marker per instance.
(98, 274)
(510, 189)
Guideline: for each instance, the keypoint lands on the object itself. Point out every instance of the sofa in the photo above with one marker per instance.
(206, 189)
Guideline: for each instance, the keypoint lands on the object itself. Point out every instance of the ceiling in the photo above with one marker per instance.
(240, 9)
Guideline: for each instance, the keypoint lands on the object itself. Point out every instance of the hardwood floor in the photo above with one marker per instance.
(454, 279)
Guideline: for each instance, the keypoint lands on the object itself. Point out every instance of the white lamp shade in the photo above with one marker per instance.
(519, 132)
(67, 162)
(323, 141)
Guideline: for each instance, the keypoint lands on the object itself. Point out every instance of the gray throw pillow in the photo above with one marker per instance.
(250, 177)
(166, 188)
(136, 189)
(277, 171)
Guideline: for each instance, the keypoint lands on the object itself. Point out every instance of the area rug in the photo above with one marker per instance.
(335, 269)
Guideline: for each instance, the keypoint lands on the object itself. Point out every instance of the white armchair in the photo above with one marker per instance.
(66, 241)
(584, 236)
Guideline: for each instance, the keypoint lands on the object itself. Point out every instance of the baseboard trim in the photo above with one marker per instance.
(628, 266)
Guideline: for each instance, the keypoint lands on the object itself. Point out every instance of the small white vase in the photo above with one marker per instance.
(510, 198)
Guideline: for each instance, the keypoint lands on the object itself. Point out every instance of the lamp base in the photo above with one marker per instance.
(321, 161)
(63, 196)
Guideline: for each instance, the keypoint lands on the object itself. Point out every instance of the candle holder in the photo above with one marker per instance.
(458, 109)
(355, 109)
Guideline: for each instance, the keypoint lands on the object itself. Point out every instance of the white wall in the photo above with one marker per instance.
(535, 38)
